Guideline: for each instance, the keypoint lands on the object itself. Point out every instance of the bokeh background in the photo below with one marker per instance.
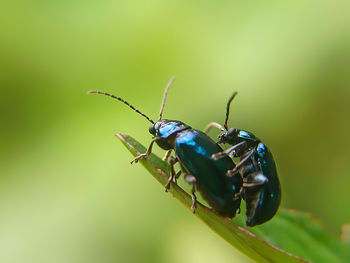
(67, 190)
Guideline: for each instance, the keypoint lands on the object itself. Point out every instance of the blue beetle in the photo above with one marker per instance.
(261, 187)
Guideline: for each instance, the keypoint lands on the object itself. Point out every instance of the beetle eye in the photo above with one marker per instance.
(222, 137)
(152, 129)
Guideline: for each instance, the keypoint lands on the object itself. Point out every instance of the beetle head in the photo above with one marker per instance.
(164, 132)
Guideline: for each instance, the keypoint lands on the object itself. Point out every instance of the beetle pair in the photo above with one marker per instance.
(211, 170)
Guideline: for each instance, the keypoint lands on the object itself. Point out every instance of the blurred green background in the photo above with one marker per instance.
(68, 192)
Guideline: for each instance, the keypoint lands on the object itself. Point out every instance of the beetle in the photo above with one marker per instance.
(261, 187)
(193, 150)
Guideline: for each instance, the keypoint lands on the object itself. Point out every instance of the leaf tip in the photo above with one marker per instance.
(120, 135)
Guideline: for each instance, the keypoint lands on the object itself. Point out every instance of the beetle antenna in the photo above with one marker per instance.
(164, 97)
(124, 101)
(228, 109)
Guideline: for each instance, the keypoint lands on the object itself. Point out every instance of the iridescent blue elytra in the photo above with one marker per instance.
(193, 150)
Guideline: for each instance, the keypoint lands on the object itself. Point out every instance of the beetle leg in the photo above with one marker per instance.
(255, 164)
(144, 155)
(219, 155)
(190, 179)
(177, 176)
(167, 155)
(254, 180)
(247, 169)
(240, 163)
(214, 125)
(194, 199)
(238, 195)
(172, 176)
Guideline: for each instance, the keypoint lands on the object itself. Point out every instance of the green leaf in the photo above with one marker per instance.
(290, 231)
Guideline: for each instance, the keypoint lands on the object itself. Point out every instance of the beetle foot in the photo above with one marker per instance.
(167, 187)
(141, 156)
(194, 204)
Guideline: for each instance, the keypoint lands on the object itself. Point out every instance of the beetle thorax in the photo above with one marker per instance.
(229, 136)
